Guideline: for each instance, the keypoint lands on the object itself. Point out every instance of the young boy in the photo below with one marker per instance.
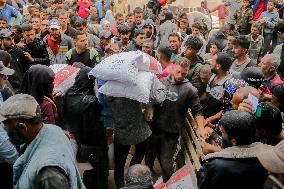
(268, 19)
(256, 43)
(243, 18)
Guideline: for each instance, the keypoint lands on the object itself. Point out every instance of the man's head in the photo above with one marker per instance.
(241, 94)
(5, 57)
(148, 29)
(220, 63)
(240, 46)
(138, 15)
(205, 73)
(4, 73)
(22, 118)
(105, 37)
(164, 55)
(231, 38)
(255, 29)
(246, 3)
(253, 76)
(54, 27)
(138, 174)
(111, 48)
(43, 14)
(278, 97)
(81, 41)
(148, 47)
(279, 29)
(139, 37)
(180, 70)
(6, 37)
(269, 64)
(58, 4)
(130, 18)
(169, 16)
(33, 10)
(192, 47)
(183, 23)
(238, 128)
(36, 22)
(28, 33)
(215, 48)
(63, 18)
(44, 25)
(268, 121)
(271, 6)
(119, 19)
(124, 32)
(3, 23)
(81, 25)
(196, 28)
(175, 42)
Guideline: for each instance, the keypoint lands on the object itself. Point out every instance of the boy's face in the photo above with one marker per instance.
(254, 31)
(270, 6)
(246, 3)
(204, 77)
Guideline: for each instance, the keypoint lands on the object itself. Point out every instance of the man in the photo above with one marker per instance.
(240, 50)
(138, 176)
(33, 10)
(220, 66)
(44, 28)
(8, 13)
(82, 53)
(232, 5)
(167, 28)
(123, 39)
(164, 57)
(230, 39)
(175, 42)
(81, 25)
(138, 40)
(57, 43)
(268, 19)
(105, 37)
(38, 166)
(148, 48)
(236, 166)
(272, 161)
(34, 48)
(138, 18)
(8, 152)
(256, 43)
(130, 19)
(150, 29)
(3, 23)
(20, 63)
(169, 120)
(119, 19)
(196, 32)
(93, 26)
(64, 21)
(269, 65)
(36, 22)
(192, 47)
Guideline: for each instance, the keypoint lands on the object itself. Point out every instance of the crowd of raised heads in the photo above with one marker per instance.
(73, 106)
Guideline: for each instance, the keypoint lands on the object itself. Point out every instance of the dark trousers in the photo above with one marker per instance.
(167, 148)
(267, 43)
(120, 154)
(6, 175)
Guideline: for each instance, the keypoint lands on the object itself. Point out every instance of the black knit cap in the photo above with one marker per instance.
(278, 92)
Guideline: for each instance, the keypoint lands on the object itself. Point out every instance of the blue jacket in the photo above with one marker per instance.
(50, 148)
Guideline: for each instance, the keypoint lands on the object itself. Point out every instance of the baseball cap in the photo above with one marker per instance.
(273, 159)
(54, 24)
(19, 106)
(5, 33)
(253, 76)
(4, 70)
(105, 34)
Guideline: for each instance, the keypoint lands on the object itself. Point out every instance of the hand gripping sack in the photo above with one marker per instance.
(118, 67)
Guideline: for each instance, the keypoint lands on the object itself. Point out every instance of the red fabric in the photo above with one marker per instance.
(48, 110)
(277, 81)
(82, 12)
(259, 10)
(163, 2)
(166, 72)
(53, 45)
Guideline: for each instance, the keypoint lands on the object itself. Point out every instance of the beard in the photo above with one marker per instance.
(16, 137)
(225, 144)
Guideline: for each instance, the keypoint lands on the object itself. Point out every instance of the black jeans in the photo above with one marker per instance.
(167, 148)
(6, 175)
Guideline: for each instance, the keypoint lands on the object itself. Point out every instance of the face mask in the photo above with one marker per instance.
(225, 144)
(16, 137)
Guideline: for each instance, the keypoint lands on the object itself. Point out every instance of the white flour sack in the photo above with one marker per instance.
(118, 67)
(139, 91)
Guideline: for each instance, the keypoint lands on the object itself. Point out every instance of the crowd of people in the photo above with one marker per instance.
(230, 78)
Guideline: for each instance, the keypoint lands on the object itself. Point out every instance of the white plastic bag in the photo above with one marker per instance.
(149, 64)
(139, 91)
(118, 67)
